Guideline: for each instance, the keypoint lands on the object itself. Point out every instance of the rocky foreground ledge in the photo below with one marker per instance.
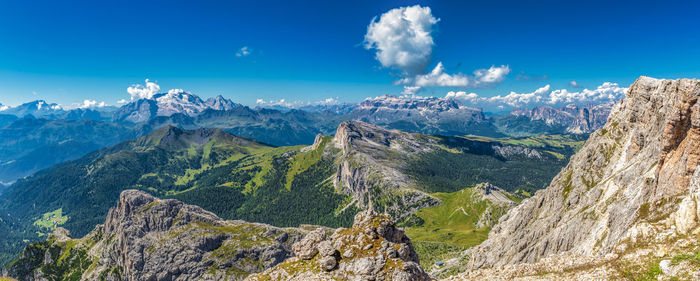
(373, 249)
(145, 238)
(626, 207)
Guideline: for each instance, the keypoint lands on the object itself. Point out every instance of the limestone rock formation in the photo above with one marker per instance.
(369, 160)
(373, 249)
(575, 119)
(634, 185)
(373, 159)
(145, 238)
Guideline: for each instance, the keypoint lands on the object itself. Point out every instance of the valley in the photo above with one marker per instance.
(349, 141)
(239, 178)
(464, 207)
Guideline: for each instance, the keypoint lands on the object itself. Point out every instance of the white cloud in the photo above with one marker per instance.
(514, 99)
(410, 90)
(281, 102)
(4, 107)
(491, 76)
(244, 51)
(91, 104)
(462, 96)
(295, 104)
(329, 101)
(138, 91)
(545, 96)
(402, 38)
(174, 92)
(606, 91)
(574, 84)
(437, 77)
(122, 101)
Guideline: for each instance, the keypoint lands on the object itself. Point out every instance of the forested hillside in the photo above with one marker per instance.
(239, 178)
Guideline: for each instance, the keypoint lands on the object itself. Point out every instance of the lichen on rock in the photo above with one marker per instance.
(373, 249)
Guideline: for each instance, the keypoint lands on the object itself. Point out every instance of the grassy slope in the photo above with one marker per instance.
(451, 228)
(470, 160)
(235, 178)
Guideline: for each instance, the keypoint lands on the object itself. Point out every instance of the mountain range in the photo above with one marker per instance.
(239, 178)
(22, 128)
(387, 204)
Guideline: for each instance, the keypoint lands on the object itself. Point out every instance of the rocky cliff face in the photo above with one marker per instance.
(576, 119)
(634, 185)
(373, 159)
(145, 238)
(370, 171)
(373, 249)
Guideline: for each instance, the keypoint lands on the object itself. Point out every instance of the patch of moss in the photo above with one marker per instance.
(566, 185)
(644, 211)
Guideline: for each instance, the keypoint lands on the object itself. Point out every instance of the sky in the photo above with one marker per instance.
(307, 51)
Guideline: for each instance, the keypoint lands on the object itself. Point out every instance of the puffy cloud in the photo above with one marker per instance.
(174, 92)
(574, 84)
(138, 91)
(281, 102)
(4, 107)
(545, 96)
(491, 76)
(329, 101)
(243, 51)
(437, 77)
(462, 96)
(91, 104)
(295, 104)
(605, 92)
(403, 38)
(519, 100)
(122, 101)
(410, 90)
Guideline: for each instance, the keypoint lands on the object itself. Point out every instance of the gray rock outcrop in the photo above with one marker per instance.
(145, 238)
(641, 168)
(373, 249)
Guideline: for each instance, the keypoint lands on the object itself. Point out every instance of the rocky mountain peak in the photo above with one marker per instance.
(373, 249)
(576, 119)
(396, 102)
(145, 238)
(175, 101)
(175, 138)
(367, 162)
(634, 179)
(37, 108)
(220, 103)
(354, 134)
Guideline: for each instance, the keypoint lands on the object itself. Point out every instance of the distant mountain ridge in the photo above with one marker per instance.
(438, 116)
(576, 119)
(240, 178)
(37, 108)
(167, 104)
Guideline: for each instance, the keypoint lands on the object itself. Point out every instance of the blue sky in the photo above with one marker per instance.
(66, 52)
